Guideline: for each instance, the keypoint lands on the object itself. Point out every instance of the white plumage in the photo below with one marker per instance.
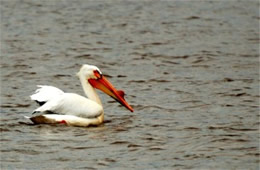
(46, 93)
(66, 103)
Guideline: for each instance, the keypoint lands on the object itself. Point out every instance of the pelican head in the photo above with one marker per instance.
(96, 79)
(88, 71)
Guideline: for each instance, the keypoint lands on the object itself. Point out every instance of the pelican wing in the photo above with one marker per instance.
(46, 93)
(71, 104)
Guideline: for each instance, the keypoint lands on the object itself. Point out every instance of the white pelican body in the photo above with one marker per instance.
(73, 109)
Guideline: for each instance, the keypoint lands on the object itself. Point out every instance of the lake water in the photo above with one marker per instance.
(190, 70)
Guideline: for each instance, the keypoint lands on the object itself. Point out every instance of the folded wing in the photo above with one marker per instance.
(46, 93)
(55, 101)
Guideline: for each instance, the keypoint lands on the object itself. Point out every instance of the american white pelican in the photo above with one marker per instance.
(73, 109)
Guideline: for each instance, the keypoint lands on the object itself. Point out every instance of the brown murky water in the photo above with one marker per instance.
(190, 69)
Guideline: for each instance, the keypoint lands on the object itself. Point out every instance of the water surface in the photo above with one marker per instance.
(190, 70)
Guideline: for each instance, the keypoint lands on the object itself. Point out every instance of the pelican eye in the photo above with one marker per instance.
(97, 74)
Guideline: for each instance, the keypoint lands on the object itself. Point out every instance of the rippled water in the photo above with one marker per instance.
(190, 70)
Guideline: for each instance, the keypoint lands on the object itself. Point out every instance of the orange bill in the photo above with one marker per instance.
(104, 85)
